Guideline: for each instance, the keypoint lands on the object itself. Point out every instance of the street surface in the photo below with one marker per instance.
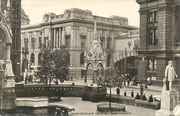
(87, 108)
(151, 90)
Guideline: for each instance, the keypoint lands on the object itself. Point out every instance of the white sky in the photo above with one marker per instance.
(125, 8)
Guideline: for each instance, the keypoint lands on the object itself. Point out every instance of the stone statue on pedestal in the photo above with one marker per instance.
(169, 99)
(170, 75)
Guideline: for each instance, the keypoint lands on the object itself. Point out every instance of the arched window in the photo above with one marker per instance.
(39, 58)
(82, 58)
(108, 60)
(32, 58)
(24, 65)
(2, 44)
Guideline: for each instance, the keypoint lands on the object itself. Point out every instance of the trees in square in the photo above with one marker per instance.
(53, 65)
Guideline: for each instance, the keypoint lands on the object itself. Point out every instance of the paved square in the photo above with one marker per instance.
(86, 108)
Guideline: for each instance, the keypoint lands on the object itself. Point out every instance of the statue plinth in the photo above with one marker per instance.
(169, 99)
(94, 93)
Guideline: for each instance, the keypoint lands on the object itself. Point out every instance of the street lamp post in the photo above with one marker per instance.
(142, 78)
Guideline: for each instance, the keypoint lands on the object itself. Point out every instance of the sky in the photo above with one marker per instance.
(105, 8)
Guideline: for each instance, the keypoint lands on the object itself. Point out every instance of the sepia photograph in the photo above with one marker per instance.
(89, 57)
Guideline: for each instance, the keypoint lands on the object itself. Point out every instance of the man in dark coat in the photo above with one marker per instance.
(118, 91)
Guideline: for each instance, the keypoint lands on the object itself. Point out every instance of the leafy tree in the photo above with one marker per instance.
(61, 60)
(53, 64)
(112, 78)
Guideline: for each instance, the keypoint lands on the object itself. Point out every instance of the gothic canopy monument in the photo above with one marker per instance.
(7, 84)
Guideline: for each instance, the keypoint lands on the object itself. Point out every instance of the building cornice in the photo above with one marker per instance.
(77, 21)
(145, 1)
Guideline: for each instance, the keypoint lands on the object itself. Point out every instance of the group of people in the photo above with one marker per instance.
(137, 95)
(144, 97)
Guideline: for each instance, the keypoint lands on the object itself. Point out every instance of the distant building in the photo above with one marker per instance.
(125, 55)
(24, 18)
(159, 37)
(74, 29)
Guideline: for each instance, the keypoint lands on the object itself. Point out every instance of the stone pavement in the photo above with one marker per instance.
(87, 108)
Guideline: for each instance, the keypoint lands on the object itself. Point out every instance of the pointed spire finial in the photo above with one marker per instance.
(95, 29)
(8, 4)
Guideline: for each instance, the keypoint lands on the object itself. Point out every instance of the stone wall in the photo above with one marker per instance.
(163, 50)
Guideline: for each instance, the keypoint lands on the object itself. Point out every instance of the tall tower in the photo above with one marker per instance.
(159, 37)
(14, 12)
(7, 84)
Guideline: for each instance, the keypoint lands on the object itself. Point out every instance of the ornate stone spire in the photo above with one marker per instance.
(95, 30)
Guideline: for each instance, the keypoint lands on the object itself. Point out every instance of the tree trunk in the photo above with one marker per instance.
(110, 100)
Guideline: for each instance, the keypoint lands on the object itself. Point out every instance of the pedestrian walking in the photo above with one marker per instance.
(132, 93)
(118, 91)
(125, 94)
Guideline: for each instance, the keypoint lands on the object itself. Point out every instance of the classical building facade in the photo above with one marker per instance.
(159, 37)
(75, 30)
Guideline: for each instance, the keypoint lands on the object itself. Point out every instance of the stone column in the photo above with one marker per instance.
(54, 39)
(57, 39)
(60, 36)
(105, 40)
(72, 37)
(85, 78)
(37, 40)
(63, 36)
(49, 39)
(95, 77)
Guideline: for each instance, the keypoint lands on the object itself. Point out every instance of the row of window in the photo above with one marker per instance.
(32, 59)
(152, 31)
(67, 42)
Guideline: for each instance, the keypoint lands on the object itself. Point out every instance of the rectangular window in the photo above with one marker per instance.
(102, 38)
(25, 43)
(152, 64)
(83, 41)
(153, 37)
(152, 16)
(109, 43)
(33, 43)
(67, 41)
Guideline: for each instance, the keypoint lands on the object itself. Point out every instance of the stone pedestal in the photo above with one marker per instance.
(169, 99)
(94, 94)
